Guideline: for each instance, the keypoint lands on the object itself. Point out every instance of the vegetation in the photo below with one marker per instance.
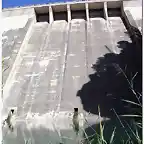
(126, 128)
(131, 129)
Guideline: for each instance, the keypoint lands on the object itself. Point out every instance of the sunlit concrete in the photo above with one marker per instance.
(51, 60)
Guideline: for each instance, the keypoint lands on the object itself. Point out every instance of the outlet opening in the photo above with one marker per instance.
(96, 13)
(60, 16)
(42, 14)
(78, 14)
(114, 12)
(75, 109)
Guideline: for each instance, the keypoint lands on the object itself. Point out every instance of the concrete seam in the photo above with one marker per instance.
(64, 66)
(87, 23)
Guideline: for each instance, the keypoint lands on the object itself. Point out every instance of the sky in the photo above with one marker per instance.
(16, 3)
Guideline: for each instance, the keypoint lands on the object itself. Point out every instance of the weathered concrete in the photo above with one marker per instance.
(17, 12)
(135, 9)
(75, 72)
(15, 27)
(48, 128)
(12, 41)
(98, 38)
(53, 63)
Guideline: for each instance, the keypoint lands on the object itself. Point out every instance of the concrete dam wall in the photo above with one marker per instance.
(49, 53)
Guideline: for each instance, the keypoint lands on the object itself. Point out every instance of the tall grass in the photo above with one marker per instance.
(132, 126)
(132, 133)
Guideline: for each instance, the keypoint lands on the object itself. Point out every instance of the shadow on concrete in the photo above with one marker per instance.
(110, 82)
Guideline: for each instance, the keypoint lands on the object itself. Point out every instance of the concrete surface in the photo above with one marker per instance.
(135, 8)
(52, 64)
(12, 41)
(15, 26)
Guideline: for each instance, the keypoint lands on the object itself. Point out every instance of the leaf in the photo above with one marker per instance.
(134, 76)
(128, 101)
(131, 116)
(112, 136)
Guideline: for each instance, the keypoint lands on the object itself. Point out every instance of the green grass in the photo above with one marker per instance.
(128, 128)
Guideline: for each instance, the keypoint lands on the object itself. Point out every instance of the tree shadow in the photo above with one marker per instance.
(114, 78)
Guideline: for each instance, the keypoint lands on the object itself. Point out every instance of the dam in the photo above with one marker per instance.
(49, 56)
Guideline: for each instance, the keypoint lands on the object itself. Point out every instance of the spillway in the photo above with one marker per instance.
(50, 57)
